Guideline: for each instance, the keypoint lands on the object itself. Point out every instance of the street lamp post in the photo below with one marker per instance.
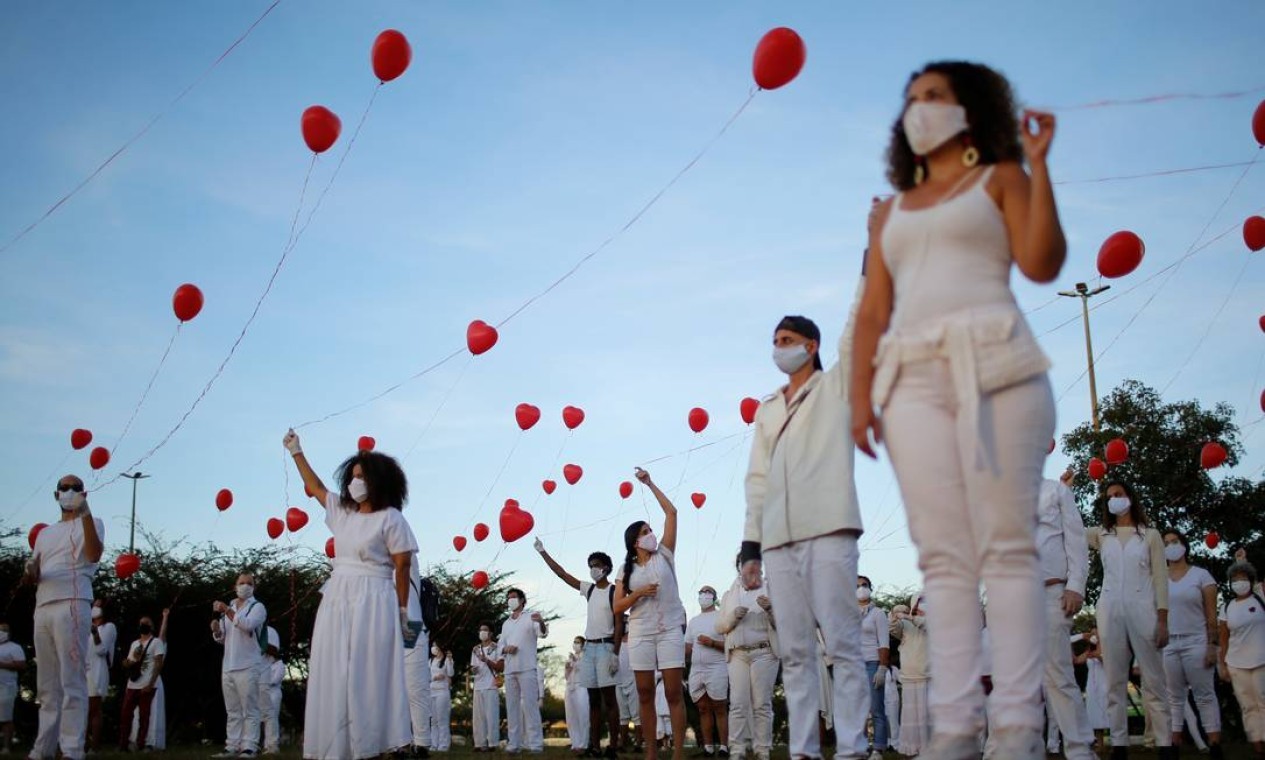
(1084, 293)
(134, 476)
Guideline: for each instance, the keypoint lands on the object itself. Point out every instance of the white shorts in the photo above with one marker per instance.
(595, 665)
(712, 681)
(8, 696)
(659, 651)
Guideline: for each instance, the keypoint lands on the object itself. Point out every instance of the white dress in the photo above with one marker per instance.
(157, 716)
(1096, 695)
(357, 700)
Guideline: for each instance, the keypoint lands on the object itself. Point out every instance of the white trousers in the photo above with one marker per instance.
(1126, 631)
(915, 718)
(487, 718)
(808, 581)
(61, 638)
(417, 682)
(241, 704)
(441, 719)
(522, 711)
(1249, 690)
(577, 712)
(971, 503)
(1184, 666)
(891, 707)
(752, 676)
(629, 705)
(1063, 696)
(269, 712)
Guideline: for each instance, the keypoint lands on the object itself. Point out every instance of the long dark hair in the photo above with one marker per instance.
(1135, 507)
(990, 112)
(388, 487)
(630, 558)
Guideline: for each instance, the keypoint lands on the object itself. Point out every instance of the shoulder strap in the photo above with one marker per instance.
(611, 595)
(589, 594)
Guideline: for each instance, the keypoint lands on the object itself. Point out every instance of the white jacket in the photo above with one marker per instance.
(764, 623)
(799, 481)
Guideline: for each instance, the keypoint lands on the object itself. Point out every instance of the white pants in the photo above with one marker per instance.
(441, 719)
(891, 705)
(1127, 631)
(417, 681)
(577, 712)
(629, 705)
(1063, 696)
(487, 718)
(971, 503)
(808, 582)
(522, 711)
(1184, 666)
(61, 637)
(1249, 690)
(752, 676)
(915, 718)
(269, 712)
(1051, 728)
(241, 704)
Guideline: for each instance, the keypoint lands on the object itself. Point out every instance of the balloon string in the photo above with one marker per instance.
(1161, 173)
(145, 394)
(495, 480)
(1158, 99)
(1247, 261)
(136, 137)
(729, 437)
(438, 409)
(383, 393)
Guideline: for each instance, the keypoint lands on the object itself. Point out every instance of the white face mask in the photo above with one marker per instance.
(4, 637)
(358, 491)
(436, 651)
(597, 573)
(1241, 588)
(706, 600)
(1174, 552)
(863, 594)
(67, 500)
(97, 613)
(1118, 505)
(485, 635)
(930, 125)
(513, 603)
(577, 647)
(245, 590)
(1093, 640)
(648, 542)
(790, 359)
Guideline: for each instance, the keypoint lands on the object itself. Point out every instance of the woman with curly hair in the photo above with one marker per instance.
(943, 353)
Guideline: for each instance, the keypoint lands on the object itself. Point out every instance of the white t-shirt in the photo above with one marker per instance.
(662, 612)
(483, 675)
(274, 673)
(414, 583)
(1246, 620)
(1186, 602)
(366, 540)
(874, 633)
(704, 624)
(155, 648)
(601, 619)
(521, 633)
(441, 666)
(10, 652)
(63, 572)
(241, 647)
(101, 656)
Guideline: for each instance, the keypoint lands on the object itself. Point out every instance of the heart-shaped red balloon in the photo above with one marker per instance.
(1050, 449)
(1097, 468)
(275, 527)
(699, 499)
(625, 489)
(1258, 124)
(480, 532)
(126, 565)
(320, 128)
(1120, 254)
(35, 533)
(1254, 233)
(1261, 322)
(526, 416)
(779, 57)
(480, 337)
(479, 580)
(391, 55)
(515, 523)
(80, 438)
(223, 499)
(1263, 401)
(366, 443)
(1117, 451)
(572, 416)
(549, 486)
(99, 457)
(1212, 455)
(187, 302)
(698, 419)
(295, 519)
(459, 543)
(747, 408)
(1213, 540)
(572, 473)
(329, 547)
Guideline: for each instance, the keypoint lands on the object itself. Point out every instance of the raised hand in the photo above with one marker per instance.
(1036, 130)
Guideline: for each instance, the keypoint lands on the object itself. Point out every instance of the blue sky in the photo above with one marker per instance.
(521, 137)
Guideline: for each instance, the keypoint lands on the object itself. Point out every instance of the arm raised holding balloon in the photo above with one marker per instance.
(669, 510)
(310, 479)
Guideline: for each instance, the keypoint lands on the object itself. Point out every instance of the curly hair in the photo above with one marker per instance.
(990, 111)
(387, 484)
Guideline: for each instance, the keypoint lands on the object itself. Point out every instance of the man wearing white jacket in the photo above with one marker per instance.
(803, 521)
(238, 629)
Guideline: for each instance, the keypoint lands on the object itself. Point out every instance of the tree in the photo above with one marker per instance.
(1165, 440)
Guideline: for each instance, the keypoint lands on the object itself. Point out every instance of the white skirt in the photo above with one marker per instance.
(357, 700)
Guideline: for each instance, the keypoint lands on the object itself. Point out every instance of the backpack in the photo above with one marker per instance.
(428, 600)
(136, 669)
(1225, 608)
(261, 633)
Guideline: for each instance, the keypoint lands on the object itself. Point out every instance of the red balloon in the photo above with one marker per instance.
(79, 438)
(35, 533)
(320, 128)
(1212, 455)
(1050, 449)
(329, 547)
(515, 523)
(480, 532)
(526, 416)
(1258, 124)
(1263, 401)
(1254, 233)
(747, 408)
(275, 527)
(391, 55)
(572, 416)
(549, 486)
(779, 57)
(625, 489)
(1212, 540)
(1261, 322)
(223, 499)
(126, 565)
(1120, 254)
(295, 519)
(366, 443)
(480, 337)
(1097, 468)
(459, 542)
(572, 473)
(699, 499)
(1117, 451)
(99, 457)
(698, 419)
(479, 580)
(187, 302)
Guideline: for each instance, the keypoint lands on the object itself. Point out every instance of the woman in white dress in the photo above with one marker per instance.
(158, 710)
(910, 629)
(352, 714)
(440, 698)
(577, 701)
(1095, 688)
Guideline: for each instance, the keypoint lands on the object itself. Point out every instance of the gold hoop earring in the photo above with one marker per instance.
(970, 156)
(920, 172)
